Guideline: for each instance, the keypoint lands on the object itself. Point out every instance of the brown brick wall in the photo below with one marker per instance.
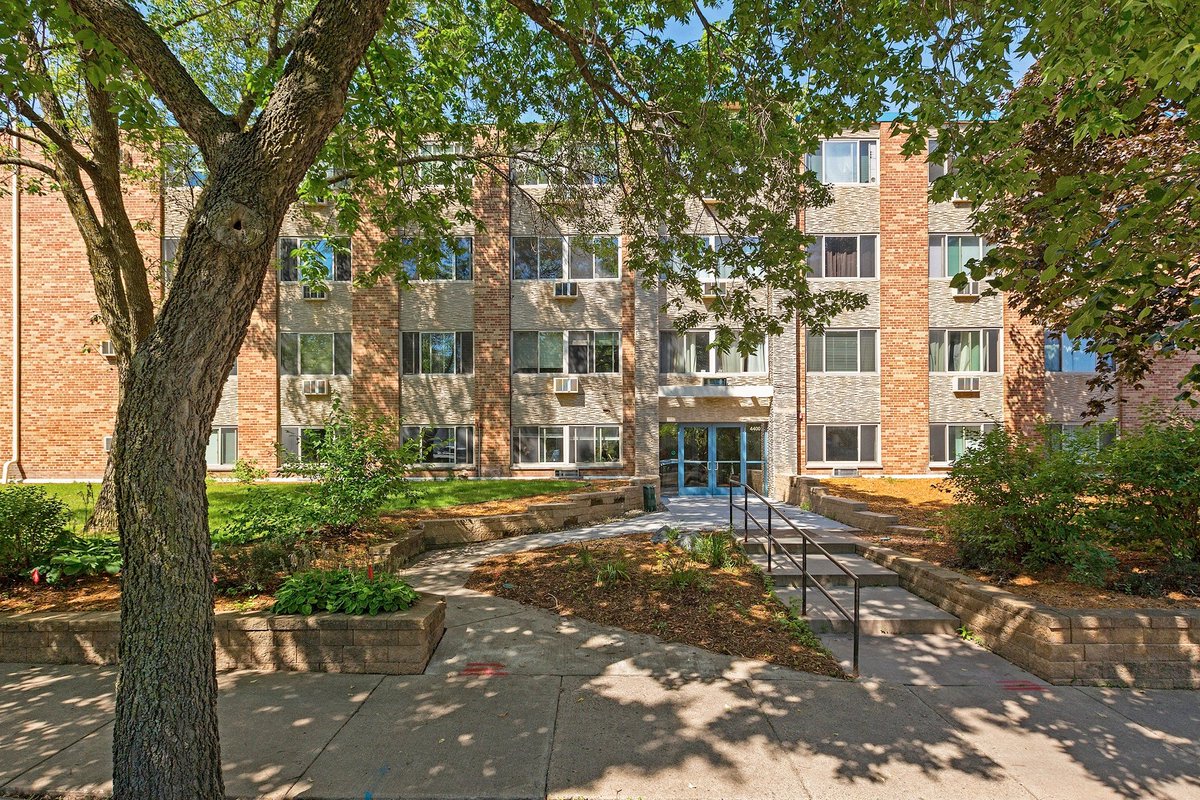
(1157, 393)
(258, 381)
(375, 335)
(904, 307)
(1024, 366)
(493, 378)
(6, 309)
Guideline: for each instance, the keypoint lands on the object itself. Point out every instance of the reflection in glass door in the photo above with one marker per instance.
(727, 457)
(696, 459)
(702, 459)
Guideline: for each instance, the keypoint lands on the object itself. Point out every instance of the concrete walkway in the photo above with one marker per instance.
(522, 703)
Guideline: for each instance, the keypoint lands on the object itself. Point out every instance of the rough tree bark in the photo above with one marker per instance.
(165, 740)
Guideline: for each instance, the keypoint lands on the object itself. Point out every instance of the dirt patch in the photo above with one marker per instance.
(727, 611)
(489, 508)
(920, 503)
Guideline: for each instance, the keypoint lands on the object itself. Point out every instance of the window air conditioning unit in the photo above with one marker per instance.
(566, 385)
(108, 444)
(966, 385)
(314, 387)
(845, 472)
(107, 350)
(716, 381)
(971, 290)
(311, 293)
(566, 290)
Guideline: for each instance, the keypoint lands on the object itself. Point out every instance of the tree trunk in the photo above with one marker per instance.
(104, 514)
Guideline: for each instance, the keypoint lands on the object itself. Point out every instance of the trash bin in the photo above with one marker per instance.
(649, 501)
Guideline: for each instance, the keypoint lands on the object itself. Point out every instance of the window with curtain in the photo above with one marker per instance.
(692, 353)
(848, 257)
(971, 350)
(437, 352)
(222, 447)
(841, 351)
(947, 442)
(949, 254)
(846, 161)
(567, 444)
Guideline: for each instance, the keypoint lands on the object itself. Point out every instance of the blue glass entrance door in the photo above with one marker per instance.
(702, 458)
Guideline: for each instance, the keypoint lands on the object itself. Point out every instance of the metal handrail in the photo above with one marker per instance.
(802, 565)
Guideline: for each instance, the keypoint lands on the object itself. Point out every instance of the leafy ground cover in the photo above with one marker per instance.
(248, 571)
(923, 503)
(708, 596)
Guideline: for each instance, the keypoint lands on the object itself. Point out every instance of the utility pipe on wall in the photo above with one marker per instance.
(14, 463)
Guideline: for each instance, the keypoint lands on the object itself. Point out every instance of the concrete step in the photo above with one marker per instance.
(883, 611)
(822, 570)
(834, 541)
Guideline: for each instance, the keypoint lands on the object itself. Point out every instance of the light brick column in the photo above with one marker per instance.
(258, 381)
(8, 231)
(374, 335)
(801, 379)
(1024, 366)
(629, 418)
(903, 307)
(493, 305)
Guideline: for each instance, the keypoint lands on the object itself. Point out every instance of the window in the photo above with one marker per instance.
(222, 447)
(964, 350)
(537, 258)
(939, 165)
(570, 444)
(314, 354)
(846, 161)
(444, 446)
(302, 445)
(1098, 436)
(437, 353)
(841, 351)
(843, 256)
(843, 444)
(948, 442)
(1064, 354)
(170, 248)
(949, 254)
(332, 255)
(571, 352)
(528, 174)
(455, 261)
(593, 257)
(692, 353)
(440, 171)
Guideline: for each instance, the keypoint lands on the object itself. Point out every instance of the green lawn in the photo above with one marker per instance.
(223, 497)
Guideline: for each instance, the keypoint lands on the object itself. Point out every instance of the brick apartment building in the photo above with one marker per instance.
(532, 355)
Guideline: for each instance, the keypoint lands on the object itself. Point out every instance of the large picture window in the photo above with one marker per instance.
(332, 255)
(593, 257)
(1064, 354)
(949, 254)
(949, 441)
(846, 161)
(455, 261)
(569, 352)
(537, 258)
(448, 445)
(843, 256)
(973, 350)
(841, 351)
(843, 444)
(314, 353)
(576, 445)
(692, 353)
(437, 353)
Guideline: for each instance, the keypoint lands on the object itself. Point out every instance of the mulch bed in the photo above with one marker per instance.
(732, 613)
(920, 503)
(492, 508)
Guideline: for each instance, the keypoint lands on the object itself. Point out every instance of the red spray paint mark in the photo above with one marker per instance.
(486, 669)
(1018, 685)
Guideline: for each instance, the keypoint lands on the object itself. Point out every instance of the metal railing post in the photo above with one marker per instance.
(856, 626)
(731, 511)
(770, 538)
(804, 575)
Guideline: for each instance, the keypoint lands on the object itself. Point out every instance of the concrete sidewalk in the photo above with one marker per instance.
(522, 703)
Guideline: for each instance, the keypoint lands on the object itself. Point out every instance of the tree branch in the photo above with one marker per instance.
(11, 161)
(122, 25)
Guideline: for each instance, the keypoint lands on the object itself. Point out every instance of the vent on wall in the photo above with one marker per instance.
(108, 444)
(314, 386)
(107, 350)
(845, 472)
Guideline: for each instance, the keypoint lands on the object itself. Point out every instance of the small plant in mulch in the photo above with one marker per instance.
(700, 591)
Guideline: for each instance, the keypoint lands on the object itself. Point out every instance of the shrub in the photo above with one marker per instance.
(1020, 505)
(1151, 489)
(717, 549)
(1175, 576)
(263, 516)
(342, 591)
(613, 572)
(81, 557)
(32, 526)
(259, 566)
(357, 466)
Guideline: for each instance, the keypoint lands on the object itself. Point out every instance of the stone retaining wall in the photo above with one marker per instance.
(400, 643)
(1144, 648)
(574, 510)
